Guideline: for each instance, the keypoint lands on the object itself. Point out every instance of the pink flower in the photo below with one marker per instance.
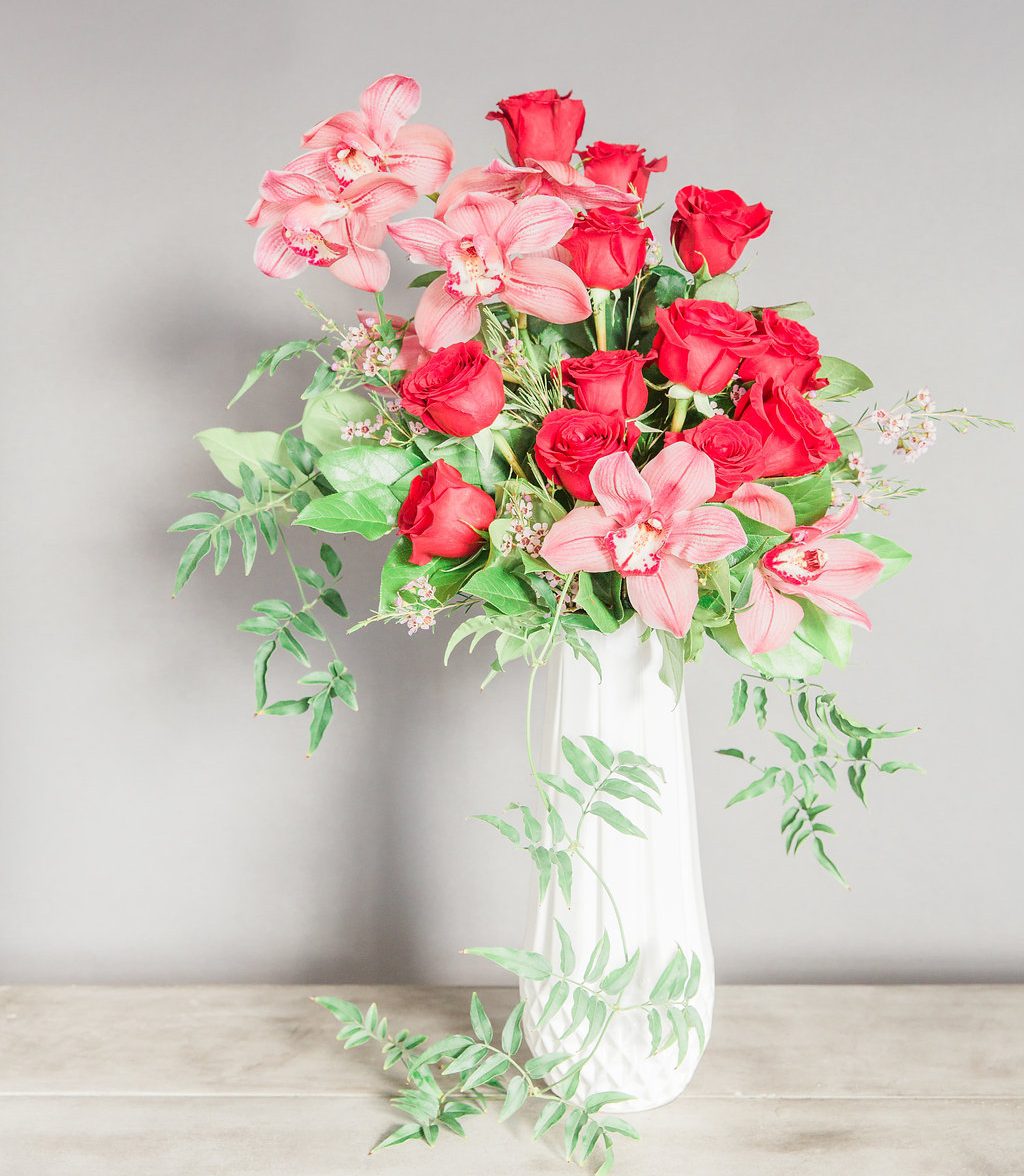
(375, 139)
(483, 244)
(813, 564)
(535, 179)
(651, 527)
(309, 218)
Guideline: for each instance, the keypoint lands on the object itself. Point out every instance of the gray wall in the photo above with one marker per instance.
(150, 829)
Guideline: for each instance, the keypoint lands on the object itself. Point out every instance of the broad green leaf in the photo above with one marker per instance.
(370, 514)
(500, 588)
(367, 466)
(595, 608)
(326, 415)
(894, 558)
(425, 279)
(721, 288)
(810, 495)
(529, 964)
(844, 379)
(829, 635)
(446, 576)
(515, 1095)
(793, 310)
(228, 449)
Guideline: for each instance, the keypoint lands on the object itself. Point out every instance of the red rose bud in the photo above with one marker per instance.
(700, 343)
(606, 248)
(734, 447)
(611, 382)
(541, 124)
(794, 437)
(458, 391)
(442, 514)
(620, 165)
(571, 440)
(791, 357)
(711, 228)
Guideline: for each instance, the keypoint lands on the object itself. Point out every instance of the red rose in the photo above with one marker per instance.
(571, 440)
(734, 447)
(542, 124)
(442, 514)
(712, 228)
(620, 165)
(791, 357)
(793, 432)
(700, 343)
(608, 381)
(607, 248)
(458, 391)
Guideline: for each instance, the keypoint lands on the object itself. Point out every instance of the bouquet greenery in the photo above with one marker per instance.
(570, 432)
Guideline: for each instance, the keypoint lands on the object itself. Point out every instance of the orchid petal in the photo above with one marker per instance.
(680, 477)
(832, 524)
(563, 180)
(535, 223)
(421, 156)
(365, 269)
(666, 599)
(443, 319)
(349, 127)
(836, 606)
(507, 182)
(379, 198)
(849, 569)
(769, 620)
(315, 165)
(388, 103)
(705, 534)
(548, 289)
(274, 257)
(620, 490)
(283, 187)
(765, 505)
(478, 214)
(422, 238)
(575, 543)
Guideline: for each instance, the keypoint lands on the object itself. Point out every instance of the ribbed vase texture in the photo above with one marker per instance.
(656, 881)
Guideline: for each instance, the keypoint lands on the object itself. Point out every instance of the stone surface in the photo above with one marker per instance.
(248, 1081)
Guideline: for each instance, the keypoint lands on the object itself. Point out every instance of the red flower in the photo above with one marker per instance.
(570, 440)
(606, 248)
(734, 447)
(541, 124)
(620, 165)
(442, 514)
(794, 436)
(608, 381)
(458, 391)
(712, 227)
(700, 343)
(791, 356)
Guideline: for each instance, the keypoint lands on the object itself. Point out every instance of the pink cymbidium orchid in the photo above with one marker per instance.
(375, 139)
(309, 218)
(535, 179)
(814, 564)
(652, 527)
(484, 243)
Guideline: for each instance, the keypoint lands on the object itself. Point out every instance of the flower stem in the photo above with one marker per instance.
(599, 298)
(680, 408)
(508, 453)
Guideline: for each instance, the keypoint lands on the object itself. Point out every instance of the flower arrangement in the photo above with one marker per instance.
(570, 432)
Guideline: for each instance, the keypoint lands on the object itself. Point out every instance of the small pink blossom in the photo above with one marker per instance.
(652, 527)
(487, 247)
(813, 564)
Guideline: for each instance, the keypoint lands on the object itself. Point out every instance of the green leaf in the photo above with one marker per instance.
(323, 709)
(512, 1033)
(758, 788)
(367, 467)
(595, 608)
(228, 449)
(810, 495)
(829, 635)
(793, 310)
(616, 819)
(308, 624)
(446, 576)
(287, 706)
(844, 379)
(251, 486)
(218, 498)
(556, 998)
(545, 1063)
(627, 790)
(425, 279)
(894, 558)
(246, 531)
(268, 525)
(761, 706)
(401, 1134)
(515, 1095)
(500, 588)
(721, 288)
(732, 752)
(293, 646)
(598, 958)
(567, 959)
(693, 980)
(330, 559)
(673, 663)
(618, 978)
(549, 1116)
(796, 752)
(504, 828)
(739, 701)
(479, 1020)
(333, 600)
(670, 286)
(259, 672)
(221, 549)
(371, 515)
(899, 766)
(202, 520)
(197, 547)
(672, 979)
(528, 964)
(580, 762)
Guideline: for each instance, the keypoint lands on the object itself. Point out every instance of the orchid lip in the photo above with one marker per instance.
(636, 550)
(312, 246)
(796, 564)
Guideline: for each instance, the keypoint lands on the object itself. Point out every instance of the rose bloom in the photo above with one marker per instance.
(606, 247)
(541, 124)
(620, 165)
(570, 440)
(442, 514)
(792, 354)
(700, 343)
(608, 381)
(794, 437)
(458, 391)
(712, 228)
(734, 447)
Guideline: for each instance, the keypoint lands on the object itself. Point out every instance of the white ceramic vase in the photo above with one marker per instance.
(655, 881)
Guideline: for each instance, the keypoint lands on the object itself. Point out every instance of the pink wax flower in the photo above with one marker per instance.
(814, 564)
(376, 140)
(487, 246)
(652, 527)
